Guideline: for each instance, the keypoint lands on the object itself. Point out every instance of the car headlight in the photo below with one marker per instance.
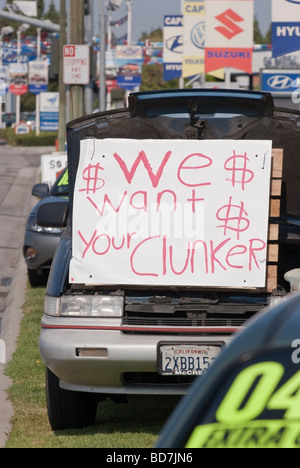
(32, 226)
(84, 306)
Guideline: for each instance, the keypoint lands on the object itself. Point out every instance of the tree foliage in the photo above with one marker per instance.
(152, 79)
(156, 35)
(258, 37)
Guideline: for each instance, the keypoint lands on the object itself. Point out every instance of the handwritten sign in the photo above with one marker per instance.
(171, 212)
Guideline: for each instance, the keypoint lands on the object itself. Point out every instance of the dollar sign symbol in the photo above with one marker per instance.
(91, 175)
(237, 164)
(234, 217)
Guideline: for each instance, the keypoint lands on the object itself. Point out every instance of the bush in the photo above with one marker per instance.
(44, 139)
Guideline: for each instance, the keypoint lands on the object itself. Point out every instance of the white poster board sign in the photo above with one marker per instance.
(52, 165)
(171, 212)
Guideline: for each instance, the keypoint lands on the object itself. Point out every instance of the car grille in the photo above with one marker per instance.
(183, 322)
(182, 314)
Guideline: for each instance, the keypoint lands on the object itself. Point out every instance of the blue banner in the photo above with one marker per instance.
(172, 70)
(285, 26)
(280, 81)
(49, 121)
(10, 55)
(37, 88)
(129, 82)
(285, 38)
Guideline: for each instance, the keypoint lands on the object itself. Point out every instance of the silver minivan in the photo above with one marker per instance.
(126, 315)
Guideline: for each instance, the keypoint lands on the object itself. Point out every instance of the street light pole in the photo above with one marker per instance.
(18, 97)
(111, 5)
(38, 96)
(129, 14)
(47, 25)
(77, 37)
(23, 27)
(6, 30)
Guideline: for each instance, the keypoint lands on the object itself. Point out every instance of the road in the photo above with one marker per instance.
(19, 170)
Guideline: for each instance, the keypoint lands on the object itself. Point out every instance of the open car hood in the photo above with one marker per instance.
(199, 114)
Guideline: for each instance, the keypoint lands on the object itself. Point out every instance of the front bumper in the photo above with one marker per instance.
(112, 355)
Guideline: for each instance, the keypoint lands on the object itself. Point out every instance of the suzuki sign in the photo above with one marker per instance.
(229, 34)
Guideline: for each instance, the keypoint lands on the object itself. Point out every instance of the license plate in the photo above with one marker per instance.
(189, 359)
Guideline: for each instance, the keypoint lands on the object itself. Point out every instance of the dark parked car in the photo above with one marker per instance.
(249, 398)
(161, 261)
(40, 243)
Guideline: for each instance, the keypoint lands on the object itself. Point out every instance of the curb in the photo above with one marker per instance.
(10, 331)
(11, 322)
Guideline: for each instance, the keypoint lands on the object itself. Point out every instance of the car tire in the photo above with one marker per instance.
(36, 279)
(68, 409)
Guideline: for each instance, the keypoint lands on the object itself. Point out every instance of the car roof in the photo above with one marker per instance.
(191, 99)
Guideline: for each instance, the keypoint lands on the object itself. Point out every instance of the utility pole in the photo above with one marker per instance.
(102, 84)
(38, 96)
(77, 37)
(88, 38)
(61, 85)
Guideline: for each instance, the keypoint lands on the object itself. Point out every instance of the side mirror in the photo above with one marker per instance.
(53, 214)
(40, 190)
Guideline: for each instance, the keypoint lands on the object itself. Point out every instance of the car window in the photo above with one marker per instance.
(61, 187)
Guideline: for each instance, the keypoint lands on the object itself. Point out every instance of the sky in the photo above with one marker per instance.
(148, 14)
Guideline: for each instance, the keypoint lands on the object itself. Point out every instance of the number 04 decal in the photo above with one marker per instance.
(259, 383)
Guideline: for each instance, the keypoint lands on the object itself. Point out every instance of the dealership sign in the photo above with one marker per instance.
(3, 80)
(229, 34)
(10, 54)
(194, 38)
(38, 76)
(129, 62)
(173, 46)
(18, 78)
(49, 112)
(285, 26)
(280, 81)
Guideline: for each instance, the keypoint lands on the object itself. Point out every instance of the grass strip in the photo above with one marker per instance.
(117, 425)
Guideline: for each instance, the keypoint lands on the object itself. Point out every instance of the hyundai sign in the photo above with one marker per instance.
(173, 46)
(285, 26)
(280, 81)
